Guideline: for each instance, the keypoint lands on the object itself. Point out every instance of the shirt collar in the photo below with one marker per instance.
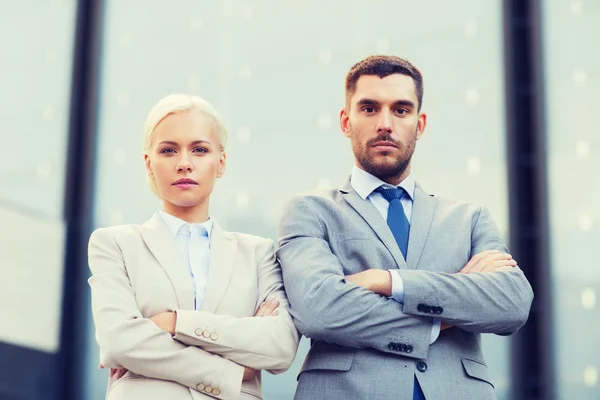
(364, 183)
(175, 224)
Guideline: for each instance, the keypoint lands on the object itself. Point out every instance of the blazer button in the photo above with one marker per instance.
(198, 332)
(421, 307)
(392, 346)
(206, 333)
(200, 386)
(216, 392)
(409, 349)
(421, 366)
(214, 336)
(208, 389)
(440, 310)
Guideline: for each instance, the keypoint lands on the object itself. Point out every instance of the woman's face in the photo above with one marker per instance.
(185, 159)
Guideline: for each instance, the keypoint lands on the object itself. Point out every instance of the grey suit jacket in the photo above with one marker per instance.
(366, 346)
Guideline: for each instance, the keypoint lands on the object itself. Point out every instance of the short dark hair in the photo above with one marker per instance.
(383, 66)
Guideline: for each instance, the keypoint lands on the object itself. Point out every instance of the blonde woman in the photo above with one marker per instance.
(182, 308)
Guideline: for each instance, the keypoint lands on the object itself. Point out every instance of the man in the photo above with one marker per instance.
(393, 285)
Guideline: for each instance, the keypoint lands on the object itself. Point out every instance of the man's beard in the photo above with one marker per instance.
(387, 170)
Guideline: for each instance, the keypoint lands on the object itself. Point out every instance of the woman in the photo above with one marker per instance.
(182, 308)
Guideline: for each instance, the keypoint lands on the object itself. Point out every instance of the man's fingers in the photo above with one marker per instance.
(494, 265)
(481, 265)
(475, 259)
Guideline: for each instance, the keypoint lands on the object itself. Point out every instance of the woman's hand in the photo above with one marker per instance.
(166, 321)
(114, 373)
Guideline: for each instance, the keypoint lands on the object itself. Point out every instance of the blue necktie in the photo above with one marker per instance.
(396, 219)
(400, 227)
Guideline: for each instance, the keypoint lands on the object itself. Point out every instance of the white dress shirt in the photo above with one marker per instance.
(193, 242)
(364, 184)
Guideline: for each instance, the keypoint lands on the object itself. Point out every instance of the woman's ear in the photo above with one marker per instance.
(222, 164)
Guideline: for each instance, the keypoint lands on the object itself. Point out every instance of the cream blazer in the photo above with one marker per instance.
(137, 272)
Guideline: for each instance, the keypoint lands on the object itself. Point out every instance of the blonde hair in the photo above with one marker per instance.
(175, 103)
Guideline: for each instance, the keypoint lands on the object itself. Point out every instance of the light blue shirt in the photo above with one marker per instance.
(364, 184)
(193, 242)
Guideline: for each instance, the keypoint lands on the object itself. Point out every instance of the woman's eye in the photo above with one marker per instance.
(168, 150)
(200, 150)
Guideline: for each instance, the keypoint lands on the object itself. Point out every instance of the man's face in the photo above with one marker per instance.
(382, 121)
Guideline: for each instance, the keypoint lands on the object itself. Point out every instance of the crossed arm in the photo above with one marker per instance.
(146, 346)
(331, 307)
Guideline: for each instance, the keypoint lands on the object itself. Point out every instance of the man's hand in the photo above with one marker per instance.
(376, 280)
(166, 321)
(114, 373)
(489, 261)
(268, 308)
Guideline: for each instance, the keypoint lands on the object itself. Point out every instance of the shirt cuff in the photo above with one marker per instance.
(435, 331)
(397, 286)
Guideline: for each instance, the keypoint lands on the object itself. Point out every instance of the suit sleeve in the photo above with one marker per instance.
(257, 342)
(328, 308)
(493, 302)
(136, 343)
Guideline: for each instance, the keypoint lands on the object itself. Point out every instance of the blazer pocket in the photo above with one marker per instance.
(327, 361)
(477, 370)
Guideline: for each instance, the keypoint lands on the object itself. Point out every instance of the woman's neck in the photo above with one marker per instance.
(194, 214)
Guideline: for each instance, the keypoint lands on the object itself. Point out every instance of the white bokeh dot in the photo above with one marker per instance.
(576, 7)
(383, 45)
(43, 170)
(585, 222)
(116, 217)
(590, 376)
(324, 183)
(588, 298)
(325, 57)
(242, 200)
(120, 157)
(582, 149)
(471, 29)
(48, 113)
(193, 83)
(124, 40)
(324, 122)
(473, 165)
(123, 98)
(472, 96)
(245, 73)
(579, 77)
(51, 56)
(244, 135)
(196, 23)
(248, 12)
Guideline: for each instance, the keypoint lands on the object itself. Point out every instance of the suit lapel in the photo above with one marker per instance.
(373, 218)
(162, 245)
(223, 249)
(423, 211)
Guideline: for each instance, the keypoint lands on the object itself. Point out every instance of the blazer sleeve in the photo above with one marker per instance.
(328, 308)
(257, 342)
(136, 343)
(496, 302)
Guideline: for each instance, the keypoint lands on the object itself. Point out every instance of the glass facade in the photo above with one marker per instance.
(572, 66)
